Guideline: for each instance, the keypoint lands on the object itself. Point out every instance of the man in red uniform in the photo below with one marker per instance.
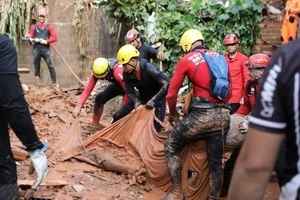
(256, 64)
(42, 35)
(207, 118)
(238, 72)
(111, 71)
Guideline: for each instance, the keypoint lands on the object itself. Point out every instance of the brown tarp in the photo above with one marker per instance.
(135, 135)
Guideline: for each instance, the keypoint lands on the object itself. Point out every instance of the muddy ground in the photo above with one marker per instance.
(74, 179)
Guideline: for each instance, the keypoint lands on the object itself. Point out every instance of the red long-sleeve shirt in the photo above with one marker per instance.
(238, 76)
(52, 33)
(116, 76)
(200, 78)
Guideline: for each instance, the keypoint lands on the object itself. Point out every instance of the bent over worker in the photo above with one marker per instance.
(207, 119)
(111, 71)
(14, 112)
(144, 83)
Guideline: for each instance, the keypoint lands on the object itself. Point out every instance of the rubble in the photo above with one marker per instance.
(87, 176)
(77, 178)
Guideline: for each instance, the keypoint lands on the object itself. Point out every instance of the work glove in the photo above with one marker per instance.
(36, 40)
(40, 164)
(150, 104)
(243, 126)
(42, 41)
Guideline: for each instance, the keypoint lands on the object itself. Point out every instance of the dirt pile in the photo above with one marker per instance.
(80, 177)
(87, 176)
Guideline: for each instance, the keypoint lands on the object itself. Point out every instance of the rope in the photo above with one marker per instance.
(68, 66)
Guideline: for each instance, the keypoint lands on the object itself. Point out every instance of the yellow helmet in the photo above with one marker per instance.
(188, 38)
(127, 52)
(100, 67)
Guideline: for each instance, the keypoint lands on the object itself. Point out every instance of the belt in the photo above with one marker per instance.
(199, 102)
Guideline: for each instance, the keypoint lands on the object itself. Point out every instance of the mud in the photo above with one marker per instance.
(88, 176)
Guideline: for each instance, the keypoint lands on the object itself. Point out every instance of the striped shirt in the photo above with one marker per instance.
(277, 110)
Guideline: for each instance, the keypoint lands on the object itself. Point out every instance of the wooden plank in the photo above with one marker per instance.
(56, 182)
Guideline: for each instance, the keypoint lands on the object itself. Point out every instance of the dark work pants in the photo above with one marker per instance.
(110, 92)
(228, 170)
(13, 112)
(206, 124)
(38, 53)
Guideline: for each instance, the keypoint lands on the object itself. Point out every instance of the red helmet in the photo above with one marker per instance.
(131, 35)
(231, 39)
(259, 60)
(42, 12)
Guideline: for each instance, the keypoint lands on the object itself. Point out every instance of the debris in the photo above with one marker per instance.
(78, 188)
(47, 182)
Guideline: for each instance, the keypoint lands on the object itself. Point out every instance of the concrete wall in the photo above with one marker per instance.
(101, 43)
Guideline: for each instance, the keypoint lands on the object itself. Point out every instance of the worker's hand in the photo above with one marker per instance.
(161, 55)
(243, 126)
(150, 104)
(40, 164)
(36, 40)
(76, 111)
(42, 41)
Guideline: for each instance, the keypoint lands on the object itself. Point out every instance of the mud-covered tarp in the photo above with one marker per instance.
(135, 135)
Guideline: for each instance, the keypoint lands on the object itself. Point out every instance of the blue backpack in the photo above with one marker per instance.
(219, 71)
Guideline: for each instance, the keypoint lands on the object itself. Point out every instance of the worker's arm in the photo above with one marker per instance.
(161, 78)
(31, 33)
(174, 86)
(152, 52)
(254, 165)
(130, 91)
(245, 73)
(87, 90)
(52, 35)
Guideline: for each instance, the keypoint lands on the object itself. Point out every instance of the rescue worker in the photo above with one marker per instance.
(14, 112)
(207, 119)
(257, 64)
(42, 35)
(144, 83)
(275, 118)
(111, 71)
(147, 52)
(238, 72)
